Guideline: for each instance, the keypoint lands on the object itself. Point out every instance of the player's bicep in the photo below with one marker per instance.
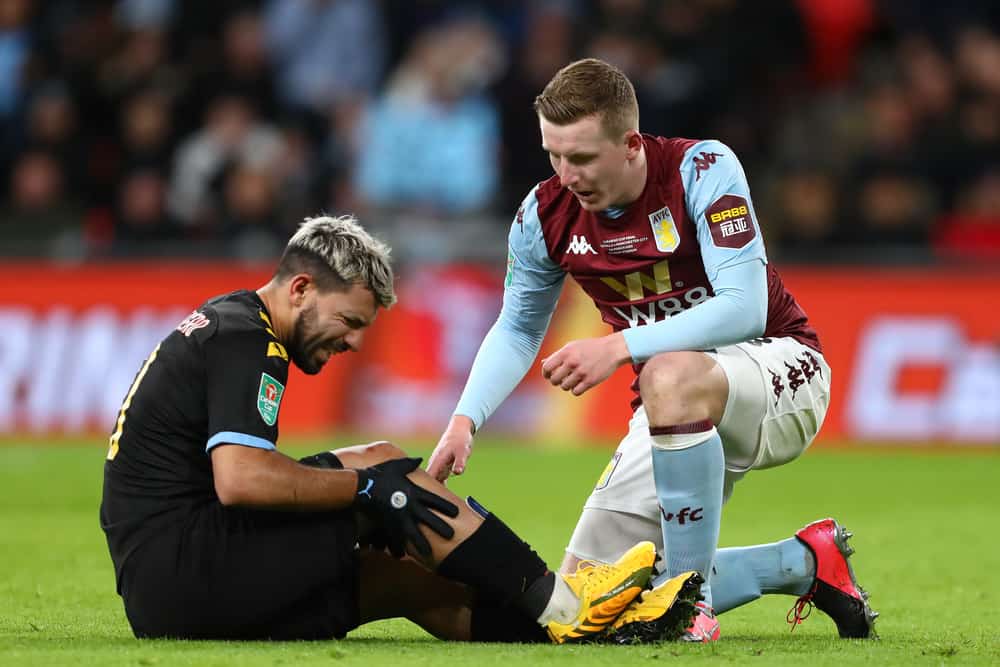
(530, 295)
(719, 203)
(533, 281)
(227, 459)
(245, 386)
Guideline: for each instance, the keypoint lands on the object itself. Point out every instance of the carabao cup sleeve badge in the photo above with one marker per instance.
(269, 398)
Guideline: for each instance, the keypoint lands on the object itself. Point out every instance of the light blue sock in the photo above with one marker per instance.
(689, 490)
(743, 574)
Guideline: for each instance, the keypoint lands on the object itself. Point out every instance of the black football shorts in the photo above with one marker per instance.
(236, 573)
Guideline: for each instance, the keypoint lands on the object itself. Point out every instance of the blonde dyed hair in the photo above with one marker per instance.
(337, 252)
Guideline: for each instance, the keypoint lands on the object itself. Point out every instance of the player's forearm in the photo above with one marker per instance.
(737, 313)
(503, 359)
(271, 480)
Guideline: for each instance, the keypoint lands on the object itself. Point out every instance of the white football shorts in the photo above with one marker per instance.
(779, 391)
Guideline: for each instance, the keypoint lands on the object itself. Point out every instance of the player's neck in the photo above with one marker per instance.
(269, 295)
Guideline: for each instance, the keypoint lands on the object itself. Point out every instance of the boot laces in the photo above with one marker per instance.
(800, 611)
(602, 571)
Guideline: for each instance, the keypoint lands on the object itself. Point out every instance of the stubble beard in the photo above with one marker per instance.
(299, 348)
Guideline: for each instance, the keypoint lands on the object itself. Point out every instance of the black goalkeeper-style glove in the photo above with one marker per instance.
(397, 506)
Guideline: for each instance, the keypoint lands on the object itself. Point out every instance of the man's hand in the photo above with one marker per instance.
(582, 364)
(453, 449)
(397, 506)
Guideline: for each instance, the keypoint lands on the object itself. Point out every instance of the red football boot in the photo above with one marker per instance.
(705, 626)
(835, 590)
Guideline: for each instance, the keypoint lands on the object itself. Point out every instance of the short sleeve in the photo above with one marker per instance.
(246, 375)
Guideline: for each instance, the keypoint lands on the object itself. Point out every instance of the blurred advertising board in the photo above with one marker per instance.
(915, 353)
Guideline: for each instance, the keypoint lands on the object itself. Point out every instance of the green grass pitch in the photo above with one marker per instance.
(925, 527)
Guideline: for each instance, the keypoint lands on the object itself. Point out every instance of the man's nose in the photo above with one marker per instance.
(568, 175)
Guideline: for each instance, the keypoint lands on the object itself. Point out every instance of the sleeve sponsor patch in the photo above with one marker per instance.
(730, 222)
(269, 398)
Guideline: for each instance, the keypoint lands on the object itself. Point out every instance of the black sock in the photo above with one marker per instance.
(502, 568)
(536, 597)
(491, 623)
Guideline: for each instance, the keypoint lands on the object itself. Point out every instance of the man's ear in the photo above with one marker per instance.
(633, 144)
(298, 287)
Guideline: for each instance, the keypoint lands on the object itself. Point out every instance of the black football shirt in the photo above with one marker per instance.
(217, 378)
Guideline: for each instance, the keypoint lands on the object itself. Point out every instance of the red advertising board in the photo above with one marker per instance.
(915, 354)
(76, 335)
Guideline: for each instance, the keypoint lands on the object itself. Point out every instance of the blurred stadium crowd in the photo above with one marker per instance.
(868, 128)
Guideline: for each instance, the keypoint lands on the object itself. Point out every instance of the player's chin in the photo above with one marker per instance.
(592, 204)
(309, 366)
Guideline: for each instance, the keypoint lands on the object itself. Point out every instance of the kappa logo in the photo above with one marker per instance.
(702, 162)
(579, 245)
(777, 386)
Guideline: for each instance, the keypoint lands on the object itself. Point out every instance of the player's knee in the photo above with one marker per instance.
(381, 450)
(362, 456)
(672, 375)
(678, 387)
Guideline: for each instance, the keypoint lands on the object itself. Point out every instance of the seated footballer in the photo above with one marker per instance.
(215, 534)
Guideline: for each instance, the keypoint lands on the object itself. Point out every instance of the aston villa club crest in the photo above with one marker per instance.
(664, 230)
